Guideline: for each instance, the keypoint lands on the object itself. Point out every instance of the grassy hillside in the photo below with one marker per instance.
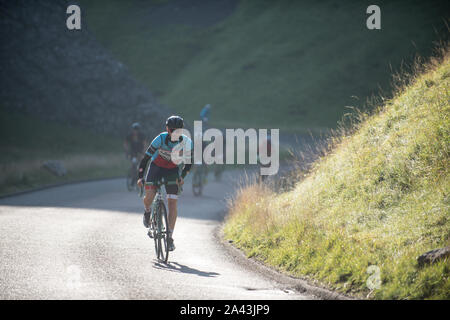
(294, 65)
(25, 143)
(379, 198)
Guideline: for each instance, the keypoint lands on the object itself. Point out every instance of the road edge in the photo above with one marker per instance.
(55, 185)
(301, 286)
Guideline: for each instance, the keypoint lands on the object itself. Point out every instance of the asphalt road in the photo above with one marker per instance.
(87, 241)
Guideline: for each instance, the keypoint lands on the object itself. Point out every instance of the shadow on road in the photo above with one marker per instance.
(177, 267)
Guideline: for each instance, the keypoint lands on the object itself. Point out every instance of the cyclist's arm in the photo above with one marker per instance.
(156, 143)
(188, 166)
(143, 165)
(186, 169)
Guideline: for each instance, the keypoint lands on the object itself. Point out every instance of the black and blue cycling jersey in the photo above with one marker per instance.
(160, 153)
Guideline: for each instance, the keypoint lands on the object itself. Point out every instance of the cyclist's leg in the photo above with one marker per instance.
(204, 168)
(153, 177)
(151, 181)
(172, 201)
(173, 211)
(172, 197)
(134, 170)
(148, 198)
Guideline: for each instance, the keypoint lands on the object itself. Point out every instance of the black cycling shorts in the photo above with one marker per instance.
(155, 174)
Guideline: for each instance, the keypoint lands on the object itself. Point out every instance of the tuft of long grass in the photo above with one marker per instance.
(379, 196)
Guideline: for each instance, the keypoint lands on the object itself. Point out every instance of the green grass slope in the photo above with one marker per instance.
(380, 198)
(26, 142)
(293, 65)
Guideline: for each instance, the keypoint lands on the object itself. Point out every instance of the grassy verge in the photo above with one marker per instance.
(27, 175)
(26, 143)
(379, 198)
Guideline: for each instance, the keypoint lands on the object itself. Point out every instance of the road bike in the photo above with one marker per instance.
(199, 179)
(159, 227)
(132, 175)
(218, 170)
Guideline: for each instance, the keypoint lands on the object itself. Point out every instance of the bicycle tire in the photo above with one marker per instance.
(155, 233)
(197, 183)
(161, 233)
(218, 174)
(129, 180)
(164, 233)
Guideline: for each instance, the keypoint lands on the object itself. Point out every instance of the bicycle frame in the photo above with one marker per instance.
(132, 175)
(160, 194)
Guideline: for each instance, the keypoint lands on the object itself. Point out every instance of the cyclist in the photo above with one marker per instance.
(204, 113)
(134, 143)
(134, 146)
(204, 117)
(267, 145)
(162, 166)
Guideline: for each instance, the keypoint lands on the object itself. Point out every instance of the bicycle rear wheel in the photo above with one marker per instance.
(129, 180)
(218, 172)
(162, 233)
(197, 183)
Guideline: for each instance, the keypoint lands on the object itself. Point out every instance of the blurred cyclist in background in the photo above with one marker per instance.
(218, 168)
(204, 117)
(135, 143)
(267, 145)
(204, 114)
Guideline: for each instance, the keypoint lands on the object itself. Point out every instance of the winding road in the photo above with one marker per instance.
(86, 241)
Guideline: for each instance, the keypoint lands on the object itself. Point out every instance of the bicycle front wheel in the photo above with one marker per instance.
(162, 233)
(129, 180)
(154, 223)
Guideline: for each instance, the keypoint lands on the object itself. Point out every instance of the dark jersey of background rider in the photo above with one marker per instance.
(135, 143)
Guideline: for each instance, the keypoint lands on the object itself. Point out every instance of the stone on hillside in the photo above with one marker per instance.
(433, 256)
(56, 167)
